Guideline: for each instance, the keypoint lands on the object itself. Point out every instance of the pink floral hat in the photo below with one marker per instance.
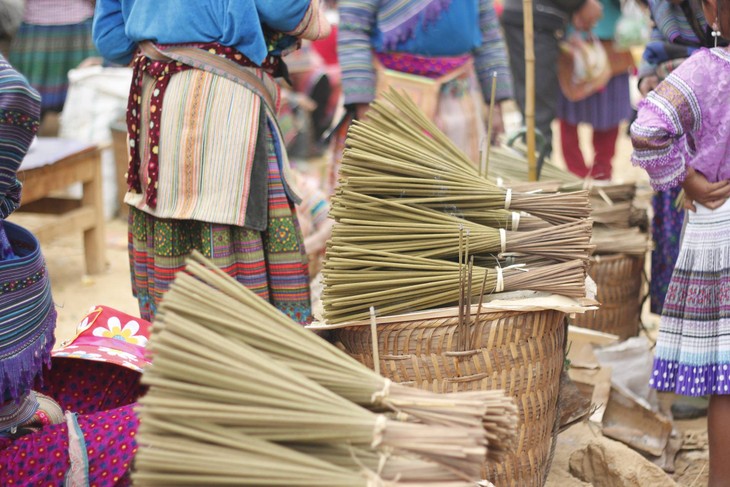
(108, 335)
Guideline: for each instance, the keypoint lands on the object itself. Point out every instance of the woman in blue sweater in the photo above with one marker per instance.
(208, 170)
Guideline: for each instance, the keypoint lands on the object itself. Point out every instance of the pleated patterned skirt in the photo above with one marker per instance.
(693, 347)
(272, 263)
(46, 53)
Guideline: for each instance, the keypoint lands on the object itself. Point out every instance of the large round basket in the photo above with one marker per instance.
(619, 278)
(520, 352)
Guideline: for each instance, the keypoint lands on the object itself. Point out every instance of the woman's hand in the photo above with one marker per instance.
(648, 83)
(698, 189)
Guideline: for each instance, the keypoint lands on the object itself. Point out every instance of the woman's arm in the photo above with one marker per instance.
(666, 119)
(297, 18)
(491, 56)
(354, 49)
(109, 34)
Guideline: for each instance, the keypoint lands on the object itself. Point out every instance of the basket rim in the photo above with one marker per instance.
(437, 313)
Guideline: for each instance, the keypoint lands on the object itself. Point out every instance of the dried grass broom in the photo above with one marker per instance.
(372, 223)
(399, 151)
(193, 368)
(203, 453)
(209, 296)
(621, 241)
(386, 176)
(396, 283)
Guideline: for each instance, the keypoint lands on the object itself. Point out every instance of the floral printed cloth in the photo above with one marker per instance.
(108, 335)
(95, 378)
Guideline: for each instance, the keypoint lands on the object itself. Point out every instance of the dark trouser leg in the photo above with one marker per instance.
(546, 74)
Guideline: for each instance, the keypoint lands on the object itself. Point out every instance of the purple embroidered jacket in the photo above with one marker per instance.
(685, 121)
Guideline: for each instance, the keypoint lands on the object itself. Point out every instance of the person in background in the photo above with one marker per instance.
(459, 41)
(681, 137)
(679, 30)
(54, 38)
(550, 18)
(208, 168)
(39, 444)
(603, 110)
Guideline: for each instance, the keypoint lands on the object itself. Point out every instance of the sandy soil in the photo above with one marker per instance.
(75, 292)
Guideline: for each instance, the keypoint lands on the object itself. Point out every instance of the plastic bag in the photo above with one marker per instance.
(633, 27)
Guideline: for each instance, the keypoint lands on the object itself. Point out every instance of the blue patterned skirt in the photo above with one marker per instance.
(693, 348)
(603, 110)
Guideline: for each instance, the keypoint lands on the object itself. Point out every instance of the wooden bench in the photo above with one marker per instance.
(49, 168)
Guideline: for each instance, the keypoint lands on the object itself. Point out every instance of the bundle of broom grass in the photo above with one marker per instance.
(436, 185)
(621, 241)
(410, 203)
(370, 222)
(207, 320)
(199, 376)
(178, 452)
(356, 278)
(209, 296)
(399, 152)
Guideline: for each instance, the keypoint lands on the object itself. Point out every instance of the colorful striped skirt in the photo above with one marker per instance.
(603, 110)
(46, 53)
(271, 263)
(693, 347)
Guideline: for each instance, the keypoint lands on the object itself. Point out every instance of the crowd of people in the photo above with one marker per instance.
(218, 88)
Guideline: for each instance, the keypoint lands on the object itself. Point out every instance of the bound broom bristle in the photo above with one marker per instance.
(398, 151)
(211, 297)
(203, 453)
(370, 223)
(391, 178)
(394, 283)
(621, 241)
(276, 403)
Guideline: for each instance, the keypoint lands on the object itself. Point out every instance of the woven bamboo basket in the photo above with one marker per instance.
(520, 352)
(619, 278)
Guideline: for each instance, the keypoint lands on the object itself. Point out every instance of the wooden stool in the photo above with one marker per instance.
(50, 167)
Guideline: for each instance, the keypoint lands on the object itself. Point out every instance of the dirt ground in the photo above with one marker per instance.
(74, 292)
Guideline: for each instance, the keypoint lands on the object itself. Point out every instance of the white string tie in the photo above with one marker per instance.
(515, 221)
(379, 430)
(500, 281)
(383, 394)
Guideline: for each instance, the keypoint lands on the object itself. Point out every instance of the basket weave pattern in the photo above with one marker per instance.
(520, 352)
(619, 281)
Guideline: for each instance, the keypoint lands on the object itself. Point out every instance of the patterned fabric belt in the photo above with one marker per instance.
(430, 67)
(163, 71)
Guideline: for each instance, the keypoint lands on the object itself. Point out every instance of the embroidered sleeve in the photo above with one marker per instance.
(357, 20)
(662, 133)
(491, 56)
